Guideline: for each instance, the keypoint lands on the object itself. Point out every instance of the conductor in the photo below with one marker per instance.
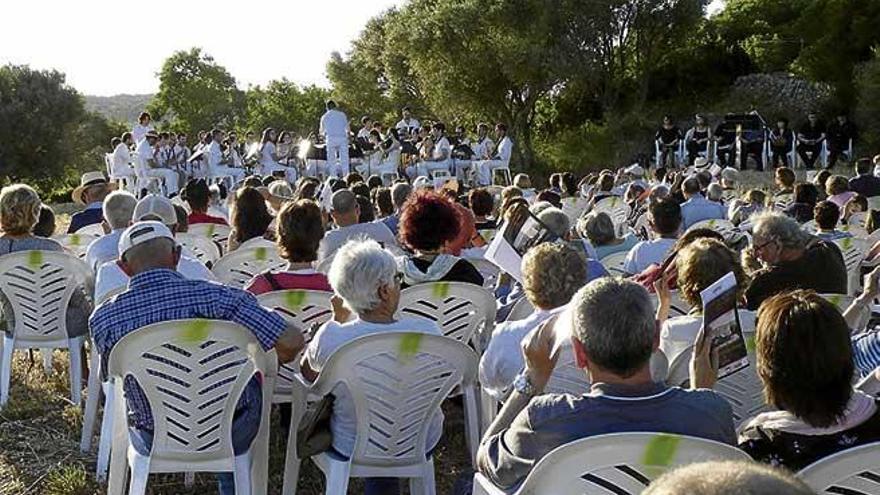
(334, 128)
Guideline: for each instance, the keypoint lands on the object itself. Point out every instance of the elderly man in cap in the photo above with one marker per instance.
(93, 188)
(158, 293)
(345, 211)
(111, 276)
(146, 165)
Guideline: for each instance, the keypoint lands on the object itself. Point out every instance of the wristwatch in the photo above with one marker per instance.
(523, 385)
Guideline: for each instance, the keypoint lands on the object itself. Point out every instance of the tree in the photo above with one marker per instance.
(48, 137)
(196, 93)
(285, 106)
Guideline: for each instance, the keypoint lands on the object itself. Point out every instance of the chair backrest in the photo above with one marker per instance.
(397, 381)
(460, 309)
(521, 310)
(487, 269)
(91, 232)
(257, 242)
(202, 247)
(574, 207)
(76, 244)
(841, 301)
(619, 463)
(783, 201)
(854, 471)
(855, 228)
(724, 227)
(616, 208)
(193, 373)
(238, 267)
(217, 233)
(307, 309)
(614, 263)
(39, 286)
(853, 251)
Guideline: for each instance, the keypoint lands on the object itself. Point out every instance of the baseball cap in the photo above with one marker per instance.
(636, 170)
(142, 232)
(155, 207)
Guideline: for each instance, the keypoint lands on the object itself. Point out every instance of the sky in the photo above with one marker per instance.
(108, 47)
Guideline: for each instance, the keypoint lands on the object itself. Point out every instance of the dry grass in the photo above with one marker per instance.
(40, 431)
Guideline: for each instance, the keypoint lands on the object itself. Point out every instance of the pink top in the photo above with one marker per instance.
(841, 199)
(300, 279)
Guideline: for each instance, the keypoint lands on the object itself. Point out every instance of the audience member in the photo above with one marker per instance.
(46, 225)
(598, 228)
(727, 478)
(345, 211)
(784, 179)
(696, 208)
(664, 219)
(250, 218)
(805, 198)
(754, 203)
(481, 204)
(93, 187)
(837, 189)
(827, 216)
(197, 195)
(117, 210)
(399, 194)
(382, 202)
(865, 182)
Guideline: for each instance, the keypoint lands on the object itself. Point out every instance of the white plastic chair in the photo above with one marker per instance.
(574, 208)
(724, 227)
(202, 247)
(854, 471)
(39, 286)
(614, 263)
(397, 381)
(237, 268)
(91, 231)
(487, 269)
(616, 208)
(217, 233)
(76, 244)
(521, 310)
(853, 251)
(192, 373)
(619, 463)
(464, 312)
(679, 156)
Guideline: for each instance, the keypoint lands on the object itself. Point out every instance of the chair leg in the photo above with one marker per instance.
(106, 439)
(242, 474)
(118, 471)
(424, 484)
(6, 369)
(75, 351)
(471, 422)
(337, 477)
(94, 395)
(140, 472)
(47, 361)
(291, 462)
(188, 479)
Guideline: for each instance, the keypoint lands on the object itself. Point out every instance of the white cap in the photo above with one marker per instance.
(635, 170)
(142, 232)
(157, 207)
(421, 182)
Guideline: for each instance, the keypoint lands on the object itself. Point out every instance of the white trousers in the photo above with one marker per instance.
(338, 148)
(172, 184)
(484, 170)
(221, 170)
(422, 169)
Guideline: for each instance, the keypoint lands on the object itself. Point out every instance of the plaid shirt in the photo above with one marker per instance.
(161, 295)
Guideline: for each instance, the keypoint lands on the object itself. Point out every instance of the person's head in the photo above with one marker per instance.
(690, 187)
(19, 209)
(500, 131)
(300, 230)
(804, 356)
(569, 184)
(757, 196)
(556, 220)
(510, 192)
(784, 177)
(367, 122)
(550, 197)
(522, 181)
(127, 139)
(482, 130)
(217, 135)
(268, 135)
(836, 184)
(365, 276)
(144, 118)
(667, 121)
(700, 120)
(481, 202)
(857, 203)
(556, 181)
(250, 216)
(307, 189)
(438, 130)
(812, 118)
(729, 177)
(382, 201)
(360, 189)
(806, 193)
(45, 226)
(374, 182)
(279, 193)
(782, 123)
(659, 174)
(841, 118)
(147, 245)
(702, 263)
(664, 217)
(197, 195)
(727, 478)
(428, 222)
(118, 208)
(330, 105)
(406, 112)
(182, 219)
(613, 327)
(344, 208)
(552, 273)
(826, 214)
(606, 182)
(400, 192)
(181, 139)
(864, 166)
(365, 208)
(597, 227)
(715, 192)
(353, 178)
(774, 234)
(821, 178)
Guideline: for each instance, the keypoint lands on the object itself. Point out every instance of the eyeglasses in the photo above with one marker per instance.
(757, 248)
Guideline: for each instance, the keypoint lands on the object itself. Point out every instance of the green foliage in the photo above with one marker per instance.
(285, 106)
(867, 83)
(70, 480)
(196, 93)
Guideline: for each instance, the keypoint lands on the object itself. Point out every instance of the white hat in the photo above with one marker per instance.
(142, 232)
(88, 180)
(635, 170)
(701, 163)
(155, 206)
(421, 182)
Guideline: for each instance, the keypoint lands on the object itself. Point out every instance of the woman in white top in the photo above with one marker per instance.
(140, 130)
(699, 264)
(364, 276)
(269, 157)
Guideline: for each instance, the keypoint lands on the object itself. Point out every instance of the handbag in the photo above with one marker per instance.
(313, 434)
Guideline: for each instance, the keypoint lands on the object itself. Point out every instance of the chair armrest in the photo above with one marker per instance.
(482, 486)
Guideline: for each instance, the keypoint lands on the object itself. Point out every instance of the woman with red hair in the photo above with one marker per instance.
(430, 224)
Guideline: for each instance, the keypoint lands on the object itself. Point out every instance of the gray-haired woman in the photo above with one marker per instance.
(599, 229)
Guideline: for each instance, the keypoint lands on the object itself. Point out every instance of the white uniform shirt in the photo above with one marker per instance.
(267, 154)
(483, 148)
(121, 160)
(407, 127)
(439, 148)
(103, 249)
(334, 126)
(144, 154)
(364, 134)
(215, 155)
(181, 154)
(139, 131)
(505, 149)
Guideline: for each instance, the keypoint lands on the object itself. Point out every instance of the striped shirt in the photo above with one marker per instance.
(866, 352)
(161, 295)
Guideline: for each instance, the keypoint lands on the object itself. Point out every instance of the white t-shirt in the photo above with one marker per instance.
(111, 277)
(503, 360)
(334, 239)
(330, 337)
(121, 160)
(483, 148)
(139, 131)
(505, 149)
(334, 125)
(643, 254)
(267, 157)
(407, 127)
(144, 154)
(103, 249)
(215, 155)
(441, 149)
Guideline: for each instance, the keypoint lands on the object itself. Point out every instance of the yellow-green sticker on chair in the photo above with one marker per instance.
(195, 331)
(35, 259)
(441, 289)
(294, 300)
(409, 346)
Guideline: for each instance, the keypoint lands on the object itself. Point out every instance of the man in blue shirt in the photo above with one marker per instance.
(157, 293)
(696, 208)
(865, 182)
(93, 188)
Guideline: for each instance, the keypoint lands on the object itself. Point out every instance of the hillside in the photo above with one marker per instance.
(123, 108)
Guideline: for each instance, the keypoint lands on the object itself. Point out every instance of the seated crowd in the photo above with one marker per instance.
(672, 236)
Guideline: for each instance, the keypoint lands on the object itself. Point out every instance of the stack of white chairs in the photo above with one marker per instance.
(193, 373)
(619, 463)
(397, 381)
(202, 247)
(39, 286)
(852, 472)
(235, 269)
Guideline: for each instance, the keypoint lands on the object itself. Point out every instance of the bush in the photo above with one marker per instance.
(867, 81)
